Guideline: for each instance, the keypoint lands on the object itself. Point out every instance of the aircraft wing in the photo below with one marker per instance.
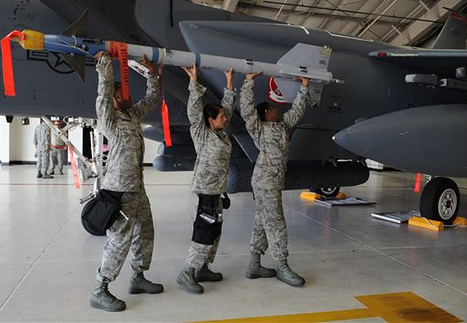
(438, 61)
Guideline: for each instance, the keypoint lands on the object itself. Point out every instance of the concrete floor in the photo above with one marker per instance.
(48, 261)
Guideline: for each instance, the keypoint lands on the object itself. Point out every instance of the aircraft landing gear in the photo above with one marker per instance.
(440, 200)
(326, 191)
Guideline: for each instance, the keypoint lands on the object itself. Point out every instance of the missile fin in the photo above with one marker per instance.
(79, 28)
(308, 61)
(76, 62)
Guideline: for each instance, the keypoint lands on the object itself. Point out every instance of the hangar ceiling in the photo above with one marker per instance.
(399, 22)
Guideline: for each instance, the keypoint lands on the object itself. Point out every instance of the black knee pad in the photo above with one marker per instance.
(206, 229)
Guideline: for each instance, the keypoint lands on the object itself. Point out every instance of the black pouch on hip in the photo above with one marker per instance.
(101, 212)
(208, 223)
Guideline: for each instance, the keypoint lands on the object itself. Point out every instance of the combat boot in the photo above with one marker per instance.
(255, 270)
(139, 285)
(187, 280)
(204, 274)
(288, 276)
(102, 299)
(39, 175)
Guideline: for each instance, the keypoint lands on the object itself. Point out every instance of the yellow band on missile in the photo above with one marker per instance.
(33, 40)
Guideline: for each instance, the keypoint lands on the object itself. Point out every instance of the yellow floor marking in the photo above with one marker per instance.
(394, 307)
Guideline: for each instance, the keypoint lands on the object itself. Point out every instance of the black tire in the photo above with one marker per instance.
(326, 191)
(440, 200)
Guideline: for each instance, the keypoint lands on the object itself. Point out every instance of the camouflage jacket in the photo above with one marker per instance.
(213, 148)
(42, 137)
(56, 140)
(271, 138)
(123, 130)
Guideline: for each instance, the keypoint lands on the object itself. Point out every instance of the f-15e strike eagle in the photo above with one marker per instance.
(411, 100)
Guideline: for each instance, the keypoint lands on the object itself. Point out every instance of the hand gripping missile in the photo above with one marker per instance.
(302, 60)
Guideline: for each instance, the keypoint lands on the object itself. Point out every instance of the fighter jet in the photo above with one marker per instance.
(374, 81)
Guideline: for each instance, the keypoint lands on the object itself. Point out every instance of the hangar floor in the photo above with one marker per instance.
(48, 261)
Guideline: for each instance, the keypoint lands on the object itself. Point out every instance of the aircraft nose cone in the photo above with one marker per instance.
(354, 138)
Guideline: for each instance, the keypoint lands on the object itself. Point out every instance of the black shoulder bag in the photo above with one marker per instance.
(101, 212)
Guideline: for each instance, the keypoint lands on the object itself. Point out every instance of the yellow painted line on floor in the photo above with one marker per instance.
(394, 307)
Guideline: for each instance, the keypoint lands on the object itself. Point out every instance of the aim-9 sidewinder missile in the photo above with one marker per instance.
(302, 60)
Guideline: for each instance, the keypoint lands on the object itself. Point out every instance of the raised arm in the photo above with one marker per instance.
(105, 91)
(142, 107)
(293, 116)
(195, 105)
(228, 100)
(247, 106)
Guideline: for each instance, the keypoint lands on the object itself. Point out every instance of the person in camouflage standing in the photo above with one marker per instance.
(270, 133)
(213, 148)
(119, 120)
(42, 143)
(57, 152)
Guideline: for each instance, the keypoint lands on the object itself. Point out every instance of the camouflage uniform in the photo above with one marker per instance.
(272, 139)
(212, 163)
(42, 143)
(57, 152)
(125, 174)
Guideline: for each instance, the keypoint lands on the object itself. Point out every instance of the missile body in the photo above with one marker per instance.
(429, 140)
(302, 60)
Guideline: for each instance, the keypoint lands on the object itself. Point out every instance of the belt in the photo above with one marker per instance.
(58, 147)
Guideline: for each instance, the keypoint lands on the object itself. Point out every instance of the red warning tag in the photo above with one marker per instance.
(7, 65)
(74, 168)
(165, 113)
(119, 50)
(165, 124)
(418, 180)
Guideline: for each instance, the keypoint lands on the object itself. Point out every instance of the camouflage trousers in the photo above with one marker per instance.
(135, 234)
(43, 157)
(269, 228)
(57, 158)
(200, 254)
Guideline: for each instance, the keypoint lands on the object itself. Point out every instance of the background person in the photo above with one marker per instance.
(58, 150)
(42, 143)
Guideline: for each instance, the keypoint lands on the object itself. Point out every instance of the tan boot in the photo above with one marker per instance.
(187, 280)
(288, 276)
(102, 299)
(204, 274)
(255, 270)
(140, 285)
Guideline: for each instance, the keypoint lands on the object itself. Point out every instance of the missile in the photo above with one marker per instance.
(302, 60)
(428, 140)
(285, 67)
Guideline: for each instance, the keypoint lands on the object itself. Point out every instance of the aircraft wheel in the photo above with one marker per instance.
(326, 191)
(440, 200)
